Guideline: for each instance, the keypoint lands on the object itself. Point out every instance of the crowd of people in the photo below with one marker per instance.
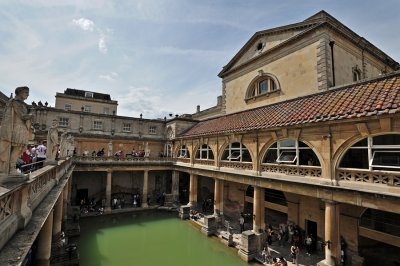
(32, 158)
(119, 153)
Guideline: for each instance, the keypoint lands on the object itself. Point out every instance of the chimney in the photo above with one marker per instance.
(198, 108)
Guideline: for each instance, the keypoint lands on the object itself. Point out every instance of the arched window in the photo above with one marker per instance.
(204, 153)
(291, 151)
(356, 73)
(183, 152)
(374, 153)
(262, 86)
(236, 152)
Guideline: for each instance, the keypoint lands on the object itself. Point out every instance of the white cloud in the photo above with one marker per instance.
(84, 24)
(102, 44)
(110, 77)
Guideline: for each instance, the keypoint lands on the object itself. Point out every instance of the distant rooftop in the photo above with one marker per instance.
(4, 97)
(82, 93)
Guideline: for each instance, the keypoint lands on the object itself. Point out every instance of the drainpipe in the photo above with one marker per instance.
(331, 43)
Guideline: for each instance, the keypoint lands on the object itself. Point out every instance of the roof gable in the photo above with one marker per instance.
(369, 98)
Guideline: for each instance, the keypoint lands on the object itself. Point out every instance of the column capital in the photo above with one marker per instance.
(332, 202)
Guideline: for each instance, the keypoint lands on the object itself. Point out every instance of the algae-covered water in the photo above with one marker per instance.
(149, 238)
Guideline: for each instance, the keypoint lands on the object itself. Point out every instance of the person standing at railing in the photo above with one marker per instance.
(41, 153)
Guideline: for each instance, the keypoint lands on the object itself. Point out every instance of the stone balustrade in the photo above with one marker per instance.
(372, 177)
(204, 162)
(293, 170)
(237, 165)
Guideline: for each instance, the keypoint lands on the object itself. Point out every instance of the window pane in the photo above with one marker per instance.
(355, 158)
(361, 143)
(386, 140)
(288, 143)
(308, 157)
(271, 156)
(287, 157)
(263, 87)
(246, 156)
(235, 145)
(225, 155)
(210, 155)
(273, 86)
(203, 154)
(197, 154)
(386, 158)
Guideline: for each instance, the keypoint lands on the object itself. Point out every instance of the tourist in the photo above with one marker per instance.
(52, 141)
(62, 239)
(270, 233)
(27, 155)
(266, 255)
(309, 242)
(294, 252)
(241, 222)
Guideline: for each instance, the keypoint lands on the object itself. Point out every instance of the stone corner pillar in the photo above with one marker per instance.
(193, 190)
(184, 212)
(218, 197)
(259, 209)
(210, 225)
(248, 246)
(57, 216)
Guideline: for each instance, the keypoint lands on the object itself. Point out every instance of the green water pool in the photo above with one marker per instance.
(149, 238)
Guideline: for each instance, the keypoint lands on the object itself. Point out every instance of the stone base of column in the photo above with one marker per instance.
(42, 262)
(248, 246)
(184, 212)
(107, 209)
(210, 226)
(192, 204)
(326, 263)
(145, 205)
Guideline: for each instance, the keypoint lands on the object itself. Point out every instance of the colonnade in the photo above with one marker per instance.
(332, 233)
(52, 226)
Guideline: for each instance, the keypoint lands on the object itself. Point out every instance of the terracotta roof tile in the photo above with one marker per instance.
(376, 97)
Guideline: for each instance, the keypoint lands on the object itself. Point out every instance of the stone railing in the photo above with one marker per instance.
(183, 160)
(20, 198)
(304, 170)
(366, 176)
(204, 162)
(237, 165)
(100, 159)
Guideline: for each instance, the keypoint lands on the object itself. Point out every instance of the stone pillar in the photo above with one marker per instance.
(108, 191)
(258, 209)
(43, 251)
(331, 233)
(248, 246)
(65, 201)
(145, 188)
(209, 226)
(175, 185)
(57, 216)
(193, 190)
(218, 196)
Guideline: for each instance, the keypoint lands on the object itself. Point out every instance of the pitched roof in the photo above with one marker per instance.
(367, 98)
(81, 93)
(320, 19)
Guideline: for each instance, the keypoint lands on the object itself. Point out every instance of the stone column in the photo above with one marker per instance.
(193, 190)
(218, 197)
(43, 251)
(145, 188)
(108, 191)
(65, 201)
(331, 232)
(175, 185)
(57, 216)
(258, 209)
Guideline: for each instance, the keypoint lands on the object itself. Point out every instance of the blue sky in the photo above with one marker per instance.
(155, 57)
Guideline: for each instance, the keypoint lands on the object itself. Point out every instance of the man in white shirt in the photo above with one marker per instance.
(41, 153)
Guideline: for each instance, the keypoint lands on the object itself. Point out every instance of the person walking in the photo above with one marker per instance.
(294, 252)
(309, 243)
(241, 222)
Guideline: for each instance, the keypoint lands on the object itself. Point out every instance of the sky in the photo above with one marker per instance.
(155, 57)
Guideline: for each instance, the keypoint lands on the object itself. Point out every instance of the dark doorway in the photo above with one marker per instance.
(81, 194)
(311, 229)
(184, 182)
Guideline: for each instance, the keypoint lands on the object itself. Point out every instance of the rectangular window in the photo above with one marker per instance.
(87, 108)
(386, 159)
(88, 94)
(288, 156)
(235, 156)
(263, 87)
(152, 130)
(63, 122)
(97, 124)
(67, 107)
(126, 127)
